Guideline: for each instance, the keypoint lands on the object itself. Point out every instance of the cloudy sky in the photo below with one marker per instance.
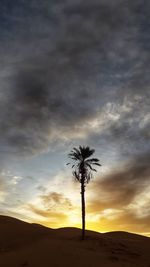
(75, 72)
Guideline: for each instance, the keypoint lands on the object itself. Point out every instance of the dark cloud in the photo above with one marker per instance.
(66, 65)
(121, 198)
(121, 187)
(134, 223)
(92, 53)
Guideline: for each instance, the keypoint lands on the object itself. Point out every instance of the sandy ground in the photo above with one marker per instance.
(23, 244)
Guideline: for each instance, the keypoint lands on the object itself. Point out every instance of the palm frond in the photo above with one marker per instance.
(93, 160)
(87, 164)
(88, 178)
(76, 175)
(86, 152)
(83, 164)
(91, 167)
(74, 156)
(76, 150)
(98, 164)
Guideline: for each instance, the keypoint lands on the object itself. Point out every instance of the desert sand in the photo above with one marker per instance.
(24, 244)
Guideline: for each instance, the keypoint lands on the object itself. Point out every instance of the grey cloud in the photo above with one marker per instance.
(125, 126)
(120, 188)
(69, 72)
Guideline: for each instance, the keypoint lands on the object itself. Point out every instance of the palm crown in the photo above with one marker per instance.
(83, 165)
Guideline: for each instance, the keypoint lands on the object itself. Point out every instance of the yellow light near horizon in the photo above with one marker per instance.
(105, 226)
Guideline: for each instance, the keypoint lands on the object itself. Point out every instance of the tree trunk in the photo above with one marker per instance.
(83, 209)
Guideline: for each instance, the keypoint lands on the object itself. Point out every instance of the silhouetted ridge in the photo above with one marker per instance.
(26, 244)
(14, 232)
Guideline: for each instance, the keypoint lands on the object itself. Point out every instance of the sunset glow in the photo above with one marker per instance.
(75, 73)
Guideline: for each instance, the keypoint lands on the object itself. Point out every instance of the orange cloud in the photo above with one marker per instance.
(55, 199)
(120, 188)
(47, 213)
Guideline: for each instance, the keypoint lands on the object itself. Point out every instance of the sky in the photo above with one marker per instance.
(75, 72)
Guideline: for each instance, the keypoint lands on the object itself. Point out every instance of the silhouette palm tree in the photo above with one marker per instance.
(83, 168)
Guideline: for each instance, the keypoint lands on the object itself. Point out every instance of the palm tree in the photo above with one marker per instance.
(83, 168)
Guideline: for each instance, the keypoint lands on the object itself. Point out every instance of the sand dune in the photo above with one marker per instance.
(24, 244)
